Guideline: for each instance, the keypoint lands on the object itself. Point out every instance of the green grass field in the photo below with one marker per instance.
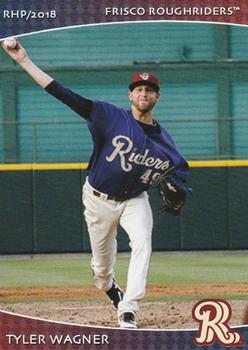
(164, 269)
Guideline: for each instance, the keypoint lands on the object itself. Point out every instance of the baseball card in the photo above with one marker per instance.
(124, 167)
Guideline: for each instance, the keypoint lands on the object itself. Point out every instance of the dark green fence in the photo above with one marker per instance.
(41, 212)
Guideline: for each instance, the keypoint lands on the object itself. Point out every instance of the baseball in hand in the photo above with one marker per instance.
(10, 43)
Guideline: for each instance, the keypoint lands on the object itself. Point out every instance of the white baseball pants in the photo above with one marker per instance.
(103, 217)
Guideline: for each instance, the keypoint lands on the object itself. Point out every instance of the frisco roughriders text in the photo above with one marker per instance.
(172, 11)
(27, 14)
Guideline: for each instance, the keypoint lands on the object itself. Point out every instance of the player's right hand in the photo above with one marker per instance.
(18, 54)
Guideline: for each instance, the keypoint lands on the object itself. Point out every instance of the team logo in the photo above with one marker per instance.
(128, 155)
(213, 316)
(144, 76)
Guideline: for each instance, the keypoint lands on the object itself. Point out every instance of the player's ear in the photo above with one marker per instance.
(130, 95)
(158, 96)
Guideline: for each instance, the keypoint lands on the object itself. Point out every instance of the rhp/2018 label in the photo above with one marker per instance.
(24, 14)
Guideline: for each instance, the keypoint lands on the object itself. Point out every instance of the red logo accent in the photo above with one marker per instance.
(213, 316)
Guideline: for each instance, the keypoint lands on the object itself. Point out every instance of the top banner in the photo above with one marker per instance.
(21, 17)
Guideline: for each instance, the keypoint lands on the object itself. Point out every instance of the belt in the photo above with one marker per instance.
(109, 197)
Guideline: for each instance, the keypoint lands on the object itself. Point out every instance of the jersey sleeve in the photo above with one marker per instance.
(81, 105)
(100, 115)
(184, 171)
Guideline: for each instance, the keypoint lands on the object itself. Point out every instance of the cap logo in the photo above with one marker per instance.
(144, 76)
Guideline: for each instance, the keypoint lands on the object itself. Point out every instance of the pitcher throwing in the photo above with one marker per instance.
(131, 151)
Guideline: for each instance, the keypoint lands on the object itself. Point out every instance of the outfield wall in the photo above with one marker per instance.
(41, 210)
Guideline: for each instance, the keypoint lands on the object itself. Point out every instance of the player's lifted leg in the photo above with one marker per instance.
(102, 233)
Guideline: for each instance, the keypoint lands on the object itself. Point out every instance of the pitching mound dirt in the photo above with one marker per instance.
(152, 314)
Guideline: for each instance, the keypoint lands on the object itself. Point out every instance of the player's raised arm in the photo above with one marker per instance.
(77, 103)
(17, 52)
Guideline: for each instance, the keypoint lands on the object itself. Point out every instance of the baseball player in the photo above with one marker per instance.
(131, 151)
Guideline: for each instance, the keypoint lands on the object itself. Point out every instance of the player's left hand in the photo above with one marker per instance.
(173, 191)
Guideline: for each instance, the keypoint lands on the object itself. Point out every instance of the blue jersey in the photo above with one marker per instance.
(127, 156)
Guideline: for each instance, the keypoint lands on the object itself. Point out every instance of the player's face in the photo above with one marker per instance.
(143, 98)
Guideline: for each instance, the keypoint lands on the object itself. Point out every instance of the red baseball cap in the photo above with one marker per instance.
(144, 78)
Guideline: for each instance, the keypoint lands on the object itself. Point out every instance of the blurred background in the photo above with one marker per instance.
(203, 69)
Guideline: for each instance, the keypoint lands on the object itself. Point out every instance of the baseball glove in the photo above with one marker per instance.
(173, 191)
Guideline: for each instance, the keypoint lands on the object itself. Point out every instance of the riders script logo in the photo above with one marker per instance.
(123, 147)
(213, 316)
